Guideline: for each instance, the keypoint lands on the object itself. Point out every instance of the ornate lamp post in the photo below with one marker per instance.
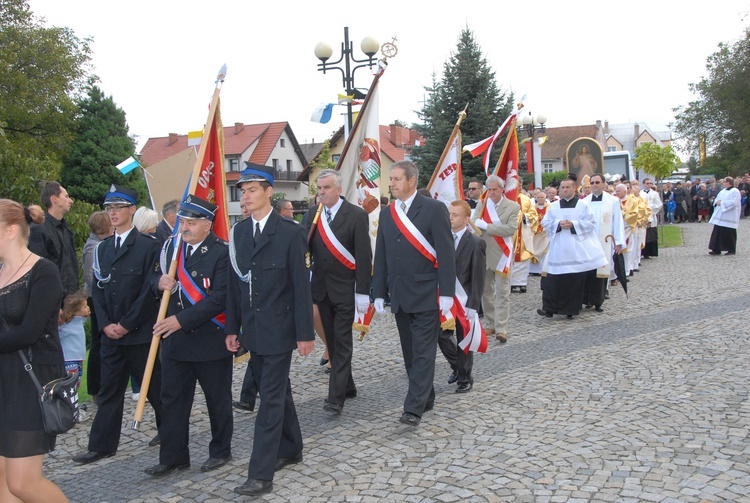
(531, 125)
(323, 52)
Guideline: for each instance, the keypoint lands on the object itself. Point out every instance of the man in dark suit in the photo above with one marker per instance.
(268, 298)
(166, 227)
(471, 260)
(338, 283)
(126, 310)
(193, 347)
(415, 262)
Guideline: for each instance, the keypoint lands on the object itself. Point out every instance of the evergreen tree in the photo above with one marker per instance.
(467, 79)
(101, 142)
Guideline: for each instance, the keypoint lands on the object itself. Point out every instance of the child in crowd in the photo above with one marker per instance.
(671, 207)
(72, 335)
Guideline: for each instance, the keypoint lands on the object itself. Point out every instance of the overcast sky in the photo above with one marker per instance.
(576, 61)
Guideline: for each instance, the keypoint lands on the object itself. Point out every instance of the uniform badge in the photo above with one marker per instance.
(194, 273)
(204, 249)
(307, 260)
(112, 188)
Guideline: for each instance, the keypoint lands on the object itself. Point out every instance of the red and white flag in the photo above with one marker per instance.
(447, 183)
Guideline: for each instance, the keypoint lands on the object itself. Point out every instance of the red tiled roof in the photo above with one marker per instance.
(237, 139)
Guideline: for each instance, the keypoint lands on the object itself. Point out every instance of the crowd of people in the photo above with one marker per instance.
(446, 272)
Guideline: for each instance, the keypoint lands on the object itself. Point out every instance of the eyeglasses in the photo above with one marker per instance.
(595, 183)
(112, 208)
(473, 188)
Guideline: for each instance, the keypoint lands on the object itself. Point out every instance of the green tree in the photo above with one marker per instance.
(654, 160)
(721, 112)
(42, 72)
(100, 142)
(467, 79)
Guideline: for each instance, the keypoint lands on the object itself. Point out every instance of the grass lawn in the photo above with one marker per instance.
(83, 394)
(669, 235)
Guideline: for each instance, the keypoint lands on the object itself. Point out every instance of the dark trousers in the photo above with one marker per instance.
(337, 322)
(249, 392)
(419, 334)
(118, 361)
(94, 366)
(177, 393)
(459, 361)
(277, 432)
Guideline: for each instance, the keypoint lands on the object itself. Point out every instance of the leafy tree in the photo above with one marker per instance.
(43, 70)
(654, 160)
(467, 79)
(721, 111)
(100, 142)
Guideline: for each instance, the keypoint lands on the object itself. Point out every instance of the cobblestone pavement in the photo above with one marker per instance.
(647, 401)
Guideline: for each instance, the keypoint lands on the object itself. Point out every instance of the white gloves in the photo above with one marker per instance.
(446, 303)
(470, 313)
(379, 306)
(481, 224)
(362, 301)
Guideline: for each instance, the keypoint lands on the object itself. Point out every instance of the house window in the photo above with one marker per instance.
(611, 149)
(275, 164)
(234, 194)
(547, 167)
(335, 158)
(282, 143)
(289, 166)
(233, 164)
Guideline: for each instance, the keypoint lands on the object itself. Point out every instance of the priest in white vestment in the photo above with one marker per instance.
(574, 252)
(726, 219)
(609, 228)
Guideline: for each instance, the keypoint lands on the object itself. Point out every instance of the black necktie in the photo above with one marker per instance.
(256, 236)
(117, 243)
(188, 252)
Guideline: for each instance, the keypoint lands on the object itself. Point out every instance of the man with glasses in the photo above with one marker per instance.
(285, 208)
(475, 191)
(126, 312)
(651, 248)
(608, 215)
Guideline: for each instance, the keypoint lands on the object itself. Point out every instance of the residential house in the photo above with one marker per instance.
(558, 140)
(169, 161)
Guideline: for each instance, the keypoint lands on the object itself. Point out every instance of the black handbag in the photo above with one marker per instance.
(58, 400)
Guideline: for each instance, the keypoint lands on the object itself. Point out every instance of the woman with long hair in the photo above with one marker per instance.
(30, 295)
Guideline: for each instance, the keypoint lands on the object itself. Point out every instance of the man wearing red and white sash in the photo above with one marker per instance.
(415, 262)
(341, 265)
(498, 220)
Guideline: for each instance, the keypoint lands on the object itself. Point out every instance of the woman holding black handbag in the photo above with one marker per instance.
(30, 294)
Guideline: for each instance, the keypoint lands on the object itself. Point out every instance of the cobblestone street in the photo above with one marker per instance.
(647, 401)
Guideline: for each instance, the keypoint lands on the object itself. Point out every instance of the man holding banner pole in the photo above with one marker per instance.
(413, 239)
(193, 348)
(341, 266)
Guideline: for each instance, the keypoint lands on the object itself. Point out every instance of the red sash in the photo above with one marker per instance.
(191, 291)
(334, 245)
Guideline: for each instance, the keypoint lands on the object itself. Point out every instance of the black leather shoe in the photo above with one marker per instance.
(254, 487)
(571, 316)
(333, 408)
(323, 361)
(282, 462)
(409, 419)
(91, 457)
(327, 370)
(464, 387)
(546, 314)
(522, 289)
(599, 309)
(160, 470)
(155, 441)
(214, 463)
(239, 404)
(453, 377)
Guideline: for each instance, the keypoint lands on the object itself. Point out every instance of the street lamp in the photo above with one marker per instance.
(323, 52)
(531, 125)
